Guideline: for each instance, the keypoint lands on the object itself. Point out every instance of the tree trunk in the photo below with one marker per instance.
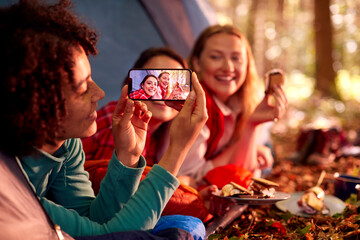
(325, 75)
(256, 36)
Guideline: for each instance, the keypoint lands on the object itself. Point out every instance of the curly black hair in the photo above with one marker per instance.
(36, 44)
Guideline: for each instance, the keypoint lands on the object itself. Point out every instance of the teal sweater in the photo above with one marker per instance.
(123, 203)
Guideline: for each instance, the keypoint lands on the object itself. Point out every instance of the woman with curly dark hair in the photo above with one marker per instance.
(51, 102)
(35, 59)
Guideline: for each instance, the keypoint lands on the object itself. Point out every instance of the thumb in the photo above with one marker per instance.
(128, 111)
(120, 106)
(189, 102)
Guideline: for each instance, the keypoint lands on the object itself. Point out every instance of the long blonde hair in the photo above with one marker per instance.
(247, 94)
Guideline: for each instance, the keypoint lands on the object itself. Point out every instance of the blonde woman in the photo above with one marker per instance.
(223, 60)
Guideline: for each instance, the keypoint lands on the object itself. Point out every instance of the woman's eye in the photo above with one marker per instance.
(236, 58)
(215, 57)
(83, 89)
(84, 92)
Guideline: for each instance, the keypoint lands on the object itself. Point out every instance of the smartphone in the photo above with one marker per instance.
(274, 77)
(159, 84)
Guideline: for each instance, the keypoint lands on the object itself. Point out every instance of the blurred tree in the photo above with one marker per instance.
(255, 33)
(312, 52)
(325, 74)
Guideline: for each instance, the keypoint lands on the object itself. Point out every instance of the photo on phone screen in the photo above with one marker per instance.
(159, 84)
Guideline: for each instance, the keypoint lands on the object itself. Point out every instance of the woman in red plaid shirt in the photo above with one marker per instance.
(149, 86)
(99, 147)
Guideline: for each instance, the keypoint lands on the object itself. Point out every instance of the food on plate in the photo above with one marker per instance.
(312, 201)
(263, 187)
(232, 189)
(274, 78)
(258, 188)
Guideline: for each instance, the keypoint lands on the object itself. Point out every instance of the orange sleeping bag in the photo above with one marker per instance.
(185, 200)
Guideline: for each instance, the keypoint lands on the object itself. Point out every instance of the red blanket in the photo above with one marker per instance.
(185, 200)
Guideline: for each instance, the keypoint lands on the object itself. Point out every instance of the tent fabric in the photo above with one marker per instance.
(171, 20)
(128, 27)
(200, 14)
(125, 31)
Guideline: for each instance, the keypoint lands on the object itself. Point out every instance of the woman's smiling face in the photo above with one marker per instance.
(150, 86)
(164, 80)
(222, 64)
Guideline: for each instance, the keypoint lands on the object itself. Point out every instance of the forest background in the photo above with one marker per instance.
(316, 43)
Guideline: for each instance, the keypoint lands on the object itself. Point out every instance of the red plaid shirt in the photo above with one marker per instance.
(139, 94)
(101, 146)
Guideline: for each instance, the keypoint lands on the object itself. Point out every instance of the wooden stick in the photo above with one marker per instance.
(321, 178)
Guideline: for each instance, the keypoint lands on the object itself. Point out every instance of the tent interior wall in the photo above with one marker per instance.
(127, 27)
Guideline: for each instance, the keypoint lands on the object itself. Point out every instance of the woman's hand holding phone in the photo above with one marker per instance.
(129, 123)
(185, 127)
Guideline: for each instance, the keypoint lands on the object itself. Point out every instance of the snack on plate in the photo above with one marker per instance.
(263, 187)
(312, 201)
(274, 78)
(232, 189)
(258, 188)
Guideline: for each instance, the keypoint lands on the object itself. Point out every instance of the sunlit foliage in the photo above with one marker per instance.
(287, 40)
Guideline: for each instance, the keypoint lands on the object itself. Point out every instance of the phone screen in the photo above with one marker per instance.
(159, 84)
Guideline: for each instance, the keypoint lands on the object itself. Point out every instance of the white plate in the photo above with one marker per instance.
(278, 196)
(334, 204)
